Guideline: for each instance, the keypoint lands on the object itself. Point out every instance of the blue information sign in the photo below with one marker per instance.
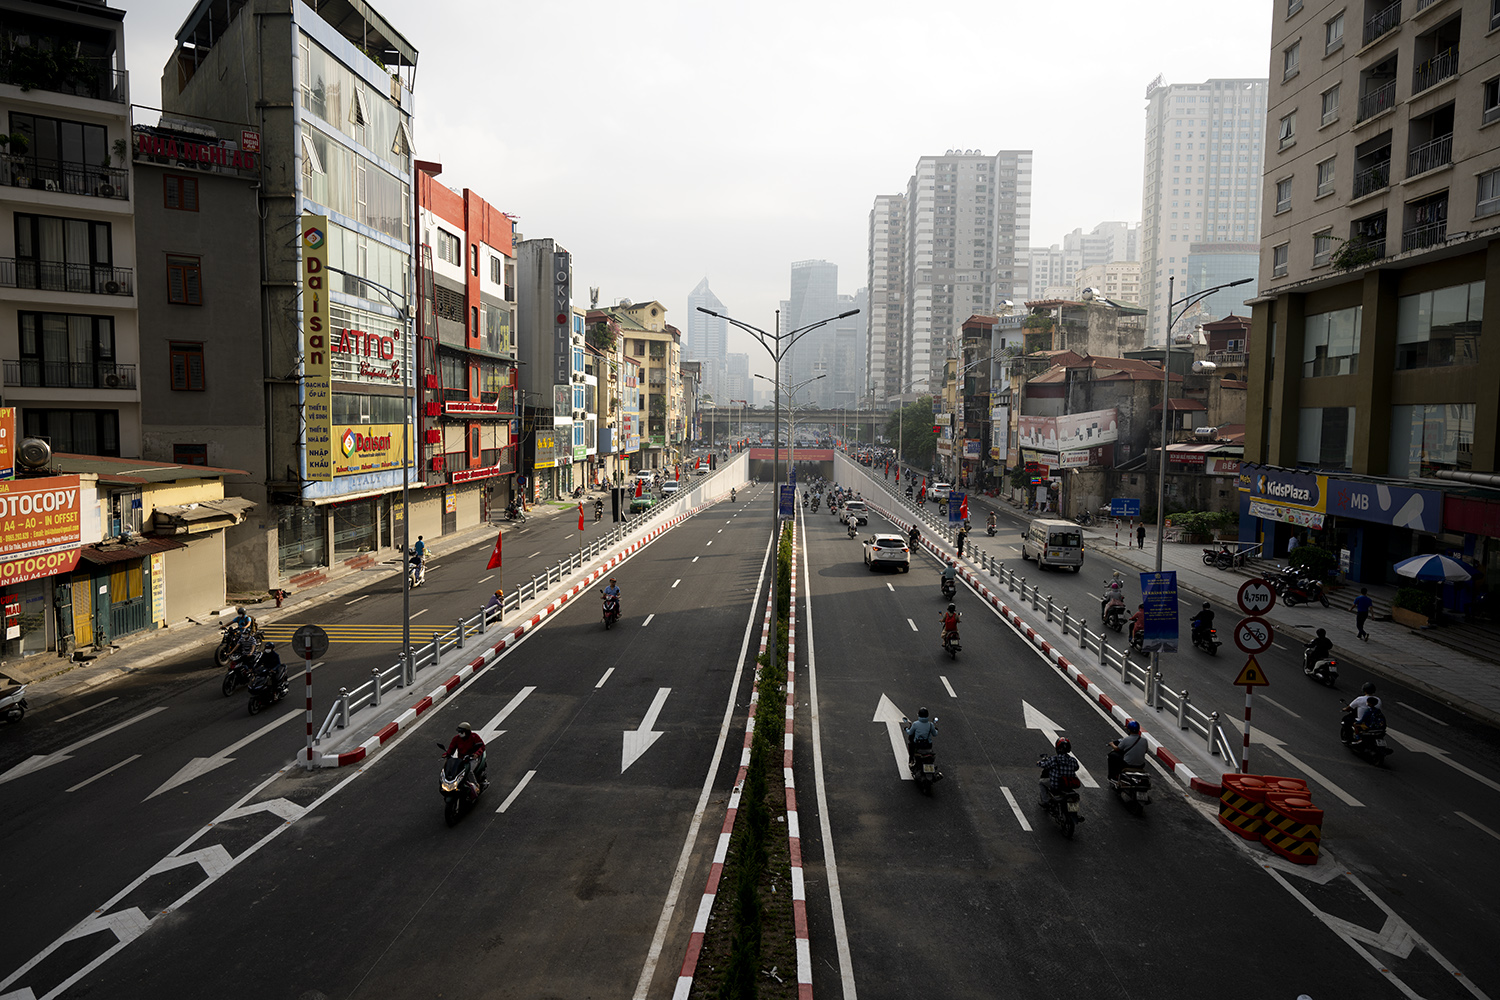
(955, 506)
(792, 476)
(1159, 595)
(1124, 507)
(788, 499)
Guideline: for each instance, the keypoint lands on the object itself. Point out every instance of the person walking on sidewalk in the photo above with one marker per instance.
(1362, 605)
(1140, 536)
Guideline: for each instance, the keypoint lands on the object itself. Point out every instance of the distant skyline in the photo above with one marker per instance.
(697, 150)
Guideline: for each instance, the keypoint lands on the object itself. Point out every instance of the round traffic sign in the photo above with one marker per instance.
(309, 642)
(1253, 635)
(1256, 597)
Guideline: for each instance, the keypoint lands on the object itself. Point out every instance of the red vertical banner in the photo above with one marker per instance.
(495, 555)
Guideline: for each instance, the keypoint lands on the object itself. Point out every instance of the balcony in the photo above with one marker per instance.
(1430, 155)
(1373, 177)
(80, 76)
(1434, 71)
(37, 374)
(55, 276)
(1374, 101)
(1381, 21)
(1427, 235)
(64, 177)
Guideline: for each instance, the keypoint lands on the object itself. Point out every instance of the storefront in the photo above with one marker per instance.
(41, 524)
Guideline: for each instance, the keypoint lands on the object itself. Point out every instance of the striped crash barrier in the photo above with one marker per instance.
(1276, 811)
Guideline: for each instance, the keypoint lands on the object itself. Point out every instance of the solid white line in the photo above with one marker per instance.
(517, 791)
(1270, 701)
(418, 614)
(137, 756)
(696, 558)
(1016, 808)
(675, 583)
(106, 701)
(355, 601)
(648, 620)
(604, 678)
(951, 693)
(488, 578)
(912, 624)
(1466, 816)
(653, 955)
(1401, 703)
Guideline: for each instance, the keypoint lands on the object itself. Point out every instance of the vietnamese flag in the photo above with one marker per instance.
(580, 517)
(495, 555)
(637, 487)
(963, 508)
(697, 465)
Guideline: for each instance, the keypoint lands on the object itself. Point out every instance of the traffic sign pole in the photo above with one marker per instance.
(1252, 677)
(1245, 751)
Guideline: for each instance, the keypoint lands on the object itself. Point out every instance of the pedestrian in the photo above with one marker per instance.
(963, 535)
(1362, 606)
(1291, 546)
(1140, 536)
(498, 603)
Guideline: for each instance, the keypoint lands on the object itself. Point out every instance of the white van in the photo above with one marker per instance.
(1053, 543)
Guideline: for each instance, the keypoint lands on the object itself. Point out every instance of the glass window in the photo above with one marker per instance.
(186, 360)
(1289, 60)
(301, 538)
(1489, 193)
(345, 101)
(337, 178)
(1331, 104)
(1333, 33)
(1428, 437)
(355, 524)
(1439, 328)
(1279, 261)
(1325, 177)
(1322, 247)
(1284, 195)
(180, 193)
(1330, 343)
(1325, 437)
(1288, 131)
(184, 280)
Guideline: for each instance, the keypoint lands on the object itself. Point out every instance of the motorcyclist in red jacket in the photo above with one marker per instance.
(468, 742)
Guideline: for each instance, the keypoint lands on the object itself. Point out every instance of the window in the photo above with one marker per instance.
(1432, 436)
(497, 271)
(1491, 101)
(1439, 328)
(81, 432)
(1322, 247)
(1330, 343)
(1284, 195)
(186, 365)
(61, 350)
(64, 255)
(1292, 6)
(180, 193)
(1489, 193)
(1325, 437)
(1333, 33)
(190, 454)
(1325, 177)
(1278, 261)
(448, 248)
(474, 259)
(1331, 105)
(1288, 131)
(1289, 58)
(184, 280)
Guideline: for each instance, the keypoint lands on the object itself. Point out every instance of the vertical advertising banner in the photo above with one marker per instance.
(1159, 595)
(7, 442)
(317, 359)
(562, 320)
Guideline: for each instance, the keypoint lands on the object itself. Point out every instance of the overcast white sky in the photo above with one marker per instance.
(664, 140)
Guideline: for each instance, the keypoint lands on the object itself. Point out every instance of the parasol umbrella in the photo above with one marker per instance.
(1434, 568)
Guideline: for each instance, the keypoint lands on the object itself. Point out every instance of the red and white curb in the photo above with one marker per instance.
(976, 580)
(793, 829)
(510, 638)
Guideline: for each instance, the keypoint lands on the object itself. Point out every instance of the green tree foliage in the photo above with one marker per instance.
(911, 426)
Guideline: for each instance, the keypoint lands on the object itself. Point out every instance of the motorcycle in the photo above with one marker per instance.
(459, 787)
(598, 512)
(1324, 671)
(951, 645)
(1223, 558)
(1084, 518)
(1138, 640)
(237, 672)
(1114, 614)
(853, 530)
(1302, 590)
(13, 703)
(1369, 742)
(515, 513)
(923, 765)
(1133, 786)
(1063, 806)
(416, 570)
(949, 587)
(229, 638)
(611, 610)
(1206, 639)
(989, 529)
(267, 687)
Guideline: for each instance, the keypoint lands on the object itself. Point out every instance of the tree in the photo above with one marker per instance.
(911, 426)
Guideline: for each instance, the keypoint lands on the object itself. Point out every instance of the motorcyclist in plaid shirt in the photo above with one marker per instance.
(1056, 770)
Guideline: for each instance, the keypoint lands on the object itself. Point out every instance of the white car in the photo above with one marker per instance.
(670, 487)
(939, 492)
(856, 508)
(887, 550)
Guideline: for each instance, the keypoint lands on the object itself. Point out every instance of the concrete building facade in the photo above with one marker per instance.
(707, 338)
(885, 284)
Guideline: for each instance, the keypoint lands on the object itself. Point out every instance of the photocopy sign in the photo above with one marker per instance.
(1159, 595)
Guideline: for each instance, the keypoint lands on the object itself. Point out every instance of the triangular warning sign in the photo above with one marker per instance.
(1251, 675)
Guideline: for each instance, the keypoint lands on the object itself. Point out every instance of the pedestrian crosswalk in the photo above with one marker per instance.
(372, 633)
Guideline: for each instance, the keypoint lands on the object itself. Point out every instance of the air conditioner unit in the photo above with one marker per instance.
(113, 380)
(112, 288)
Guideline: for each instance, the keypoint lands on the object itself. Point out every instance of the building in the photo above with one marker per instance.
(655, 346)
(1052, 269)
(708, 339)
(814, 297)
(1373, 415)
(1212, 264)
(1204, 151)
(1119, 281)
(885, 283)
(736, 379)
(332, 119)
(1085, 327)
(1106, 243)
(549, 338)
(847, 383)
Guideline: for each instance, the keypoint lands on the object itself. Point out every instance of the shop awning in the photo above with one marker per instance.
(207, 515)
(104, 553)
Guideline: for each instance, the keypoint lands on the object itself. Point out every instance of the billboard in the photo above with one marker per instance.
(7, 442)
(1070, 431)
(369, 448)
(562, 320)
(40, 516)
(317, 358)
(971, 450)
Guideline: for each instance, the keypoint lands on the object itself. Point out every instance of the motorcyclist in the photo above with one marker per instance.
(241, 619)
(731, 496)
(269, 662)
(613, 590)
(1138, 621)
(913, 538)
(1355, 710)
(1318, 649)
(922, 730)
(468, 742)
(950, 573)
(1128, 751)
(1203, 620)
(1114, 593)
(599, 509)
(1058, 771)
(990, 523)
(951, 618)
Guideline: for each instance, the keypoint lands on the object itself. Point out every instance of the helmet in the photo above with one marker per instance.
(1207, 605)
(1369, 687)
(270, 645)
(240, 609)
(464, 728)
(1321, 633)
(953, 607)
(1131, 726)
(922, 713)
(1063, 745)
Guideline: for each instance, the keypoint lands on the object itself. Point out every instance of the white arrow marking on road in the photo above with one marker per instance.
(515, 792)
(1401, 703)
(887, 712)
(1476, 822)
(199, 766)
(492, 728)
(1279, 748)
(1417, 746)
(1036, 720)
(638, 741)
(38, 761)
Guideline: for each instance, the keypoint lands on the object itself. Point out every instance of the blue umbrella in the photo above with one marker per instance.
(1433, 567)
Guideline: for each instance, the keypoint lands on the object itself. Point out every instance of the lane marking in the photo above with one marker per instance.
(38, 761)
(1277, 747)
(137, 756)
(1288, 711)
(355, 601)
(604, 678)
(696, 558)
(517, 791)
(889, 586)
(710, 541)
(1466, 816)
(101, 704)
(719, 532)
(419, 614)
(912, 624)
(1401, 703)
(534, 554)
(488, 578)
(1015, 807)
(675, 583)
(648, 620)
(951, 693)
(491, 730)
(1278, 645)
(199, 766)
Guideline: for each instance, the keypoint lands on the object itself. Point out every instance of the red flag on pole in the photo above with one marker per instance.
(963, 508)
(495, 555)
(580, 517)
(697, 464)
(637, 487)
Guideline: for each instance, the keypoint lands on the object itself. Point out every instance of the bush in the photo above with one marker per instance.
(1316, 562)
(1418, 599)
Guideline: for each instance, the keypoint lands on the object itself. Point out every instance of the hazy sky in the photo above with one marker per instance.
(664, 140)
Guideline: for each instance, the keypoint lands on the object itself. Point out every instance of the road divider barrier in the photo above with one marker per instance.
(1278, 812)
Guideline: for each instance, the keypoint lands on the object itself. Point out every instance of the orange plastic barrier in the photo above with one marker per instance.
(1293, 826)
(1242, 804)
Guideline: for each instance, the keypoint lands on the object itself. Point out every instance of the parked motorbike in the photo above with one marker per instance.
(1324, 671)
(1369, 742)
(1301, 590)
(951, 644)
(611, 610)
(459, 787)
(13, 703)
(1206, 639)
(1084, 518)
(1223, 558)
(1063, 806)
(923, 763)
(1133, 786)
(949, 587)
(267, 687)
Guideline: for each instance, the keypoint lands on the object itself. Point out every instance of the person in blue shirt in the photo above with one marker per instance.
(1362, 605)
(420, 549)
(922, 730)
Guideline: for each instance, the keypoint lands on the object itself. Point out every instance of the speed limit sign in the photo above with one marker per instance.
(1253, 635)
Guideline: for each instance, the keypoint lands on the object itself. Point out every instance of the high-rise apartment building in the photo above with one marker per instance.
(1051, 270)
(1381, 260)
(882, 318)
(736, 379)
(848, 382)
(1058, 267)
(707, 339)
(1204, 151)
(815, 296)
(1106, 243)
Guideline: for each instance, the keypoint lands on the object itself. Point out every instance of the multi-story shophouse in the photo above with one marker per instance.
(657, 347)
(467, 373)
(550, 340)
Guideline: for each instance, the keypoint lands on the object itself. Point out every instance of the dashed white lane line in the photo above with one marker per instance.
(889, 586)
(648, 620)
(355, 601)
(127, 760)
(101, 704)
(912, 624)
(675, 583)
(534, 554)
(1279, 705)
(1401, 703)
(696, 558)
(605, 677)
(517, 791)
(1015, 808)
(1466, 816)
(1278, 645)
(418, 614)
(951, 693)
(710, 541)
(488, 578)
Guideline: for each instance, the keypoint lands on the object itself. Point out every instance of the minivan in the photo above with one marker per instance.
(1053, 543)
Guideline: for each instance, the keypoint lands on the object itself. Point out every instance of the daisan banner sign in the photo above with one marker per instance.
(317, 354)
(369, 448)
